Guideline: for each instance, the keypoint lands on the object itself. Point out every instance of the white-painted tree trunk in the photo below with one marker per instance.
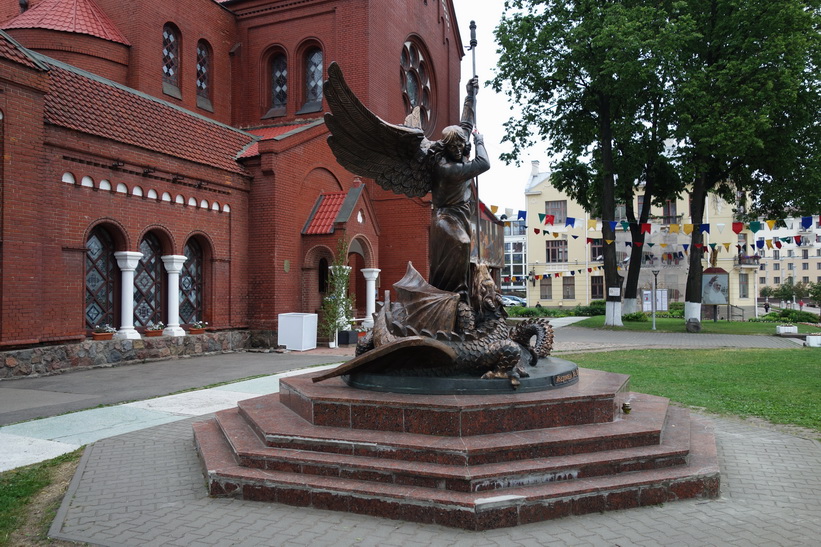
(629, 305)
(692, 310)
(612, 314)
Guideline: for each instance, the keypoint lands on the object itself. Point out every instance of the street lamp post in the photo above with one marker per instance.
(655, 287)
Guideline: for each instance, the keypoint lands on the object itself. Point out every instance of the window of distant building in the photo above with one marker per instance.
(416, 82)
(596, 250)
(558, 210)
(546, 288)
(204, 73)
(669, 212)
(191, 284)
(171, 61)
(597, 287)
(313, 66)
(556, 250)
(569, 287)
(279, 85)
(743, 285)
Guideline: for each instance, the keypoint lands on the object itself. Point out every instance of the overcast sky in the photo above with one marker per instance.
(503, 185)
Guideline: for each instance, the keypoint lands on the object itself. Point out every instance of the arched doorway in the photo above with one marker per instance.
(101, 280)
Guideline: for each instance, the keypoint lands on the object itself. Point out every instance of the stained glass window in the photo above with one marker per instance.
(148, 283)
(191, 309)
(203, 70)
(170, 55)
(313, 81)
(415, 81)
(279, 82)
(100, 279)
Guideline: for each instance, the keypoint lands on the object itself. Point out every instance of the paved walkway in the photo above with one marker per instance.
(139, 482)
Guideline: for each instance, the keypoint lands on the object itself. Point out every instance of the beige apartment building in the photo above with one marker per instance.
(564, 248)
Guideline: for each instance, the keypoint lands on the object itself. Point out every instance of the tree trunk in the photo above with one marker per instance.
(612, 279)
(692, 294)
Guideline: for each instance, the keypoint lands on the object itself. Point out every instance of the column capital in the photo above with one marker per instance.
(128, 260)
(174, 263)
(370, 273)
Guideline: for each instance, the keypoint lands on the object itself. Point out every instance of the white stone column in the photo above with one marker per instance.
(173, 265)
(370, 295)
(128, 262)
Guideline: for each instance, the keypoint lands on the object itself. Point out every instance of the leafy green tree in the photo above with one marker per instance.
(743, 84)
(587, 79)
(815, 293)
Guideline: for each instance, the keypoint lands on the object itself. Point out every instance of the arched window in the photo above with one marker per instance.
(313, 81)
(191, 284)
(171, 61)
(100, 279)
(279, 85)
(416, 84)
(204, 73)
(148, 283)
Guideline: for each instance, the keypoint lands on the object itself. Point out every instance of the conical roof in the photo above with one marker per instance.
(78, 16)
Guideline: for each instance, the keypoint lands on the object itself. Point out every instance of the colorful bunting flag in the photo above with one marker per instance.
(769, 243)
(806, 222)
(612, 224)
(625, 225)
(755, 226)
(541, 217)
(738, 227)
(674, 228)
(688, 229)
(770, 224)
(548, 219)
(494, 209)
(570, 222)
(720, 227)
(705, 228)
(591, 224)
(536, 230)
(760, 243)
(645, 228)
(522, 215)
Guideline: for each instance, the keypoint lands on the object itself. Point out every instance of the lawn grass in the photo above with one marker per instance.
(782, 386)
(18, 486)
(664, 324)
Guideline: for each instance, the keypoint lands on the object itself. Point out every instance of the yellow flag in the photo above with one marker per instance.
(726, 246)
(688, 229)
(770, 224)
(494, 208)
(609, 241)
(674, 228)
(769, 243)
(591, 224)
(555, 234)
(663, 245)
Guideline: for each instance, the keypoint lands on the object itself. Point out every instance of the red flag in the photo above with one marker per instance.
(637, 243)
(548, 219)
(536, 230)
(737, 227)
(645, 228)
(798, 240)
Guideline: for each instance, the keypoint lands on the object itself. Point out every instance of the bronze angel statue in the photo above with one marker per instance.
(401, 159)
(454, 322)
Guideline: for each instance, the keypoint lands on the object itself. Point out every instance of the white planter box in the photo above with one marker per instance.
(297, 331)
(814, 341)
(779, 329)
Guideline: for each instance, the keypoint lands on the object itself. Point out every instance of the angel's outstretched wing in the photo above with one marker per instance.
(395, 156)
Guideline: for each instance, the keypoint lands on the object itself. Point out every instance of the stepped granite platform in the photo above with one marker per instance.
(469, 461)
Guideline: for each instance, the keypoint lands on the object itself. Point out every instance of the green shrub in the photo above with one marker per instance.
(796, 316)
(638, 317)
(677, 306)
(519, 311)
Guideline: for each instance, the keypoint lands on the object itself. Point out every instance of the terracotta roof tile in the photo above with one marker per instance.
(325, 213)
(266, 133)
(11, 50)
(79, 16)
(83, 102)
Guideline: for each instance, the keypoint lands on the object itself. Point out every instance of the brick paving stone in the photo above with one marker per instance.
(769, 496)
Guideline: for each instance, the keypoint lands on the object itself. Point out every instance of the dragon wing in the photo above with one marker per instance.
(395, 156)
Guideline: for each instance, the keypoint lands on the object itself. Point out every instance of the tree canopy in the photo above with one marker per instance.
(712, 95)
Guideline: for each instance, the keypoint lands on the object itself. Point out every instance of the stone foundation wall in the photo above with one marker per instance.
(47, 360)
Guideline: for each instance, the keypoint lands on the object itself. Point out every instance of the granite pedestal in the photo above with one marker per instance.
(469, 461)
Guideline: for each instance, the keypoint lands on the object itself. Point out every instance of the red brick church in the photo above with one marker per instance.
(171, 157)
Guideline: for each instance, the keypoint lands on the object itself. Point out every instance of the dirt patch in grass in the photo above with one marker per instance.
(42, 509)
